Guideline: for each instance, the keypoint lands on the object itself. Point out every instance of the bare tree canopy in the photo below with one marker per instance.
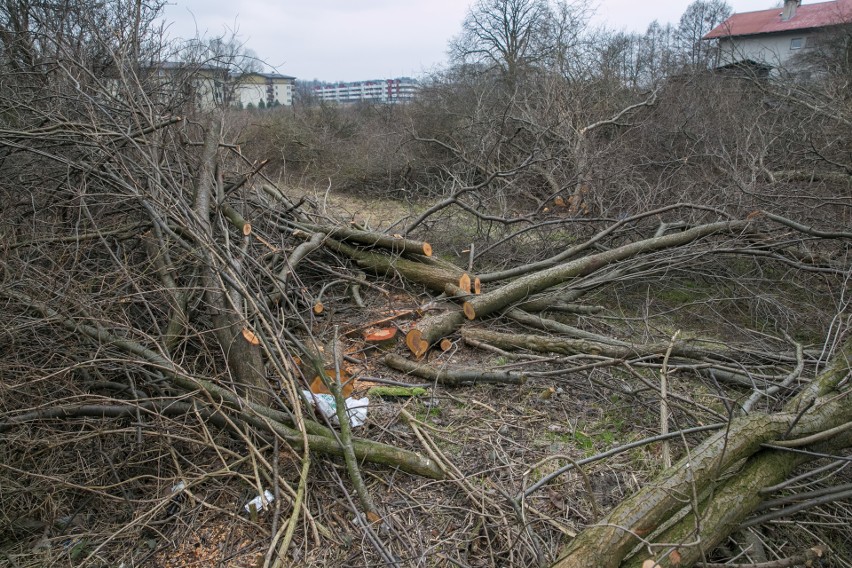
(513, 36)
(697, 20)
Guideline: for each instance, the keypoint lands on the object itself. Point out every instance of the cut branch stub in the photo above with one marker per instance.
(464, 282)
(468, 310)
(236, 219)
(250, 336)
(320, 386)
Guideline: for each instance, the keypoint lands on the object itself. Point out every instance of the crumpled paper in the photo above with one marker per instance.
(356, 408)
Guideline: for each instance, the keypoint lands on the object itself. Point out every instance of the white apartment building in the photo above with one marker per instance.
(207, 86)
(398, 90)
(271, 88)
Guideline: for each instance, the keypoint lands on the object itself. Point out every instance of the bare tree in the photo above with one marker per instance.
(699, 18)
(513, 36)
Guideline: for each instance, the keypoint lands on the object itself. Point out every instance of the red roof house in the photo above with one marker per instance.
(773, 37)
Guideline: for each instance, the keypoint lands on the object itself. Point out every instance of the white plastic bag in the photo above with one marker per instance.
(260, 502)
(325, 403)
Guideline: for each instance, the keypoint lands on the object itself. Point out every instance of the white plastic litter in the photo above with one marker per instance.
(356, 409)
(260, 502)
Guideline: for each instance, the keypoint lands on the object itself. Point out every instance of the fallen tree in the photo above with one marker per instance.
(522, 287)
(720, 490)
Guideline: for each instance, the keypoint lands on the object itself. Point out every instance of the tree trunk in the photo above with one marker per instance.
(515, 291)
(432, 275)
(244, 360)
(730, 504)
(607, 543)
(452, 377)
(587, 346)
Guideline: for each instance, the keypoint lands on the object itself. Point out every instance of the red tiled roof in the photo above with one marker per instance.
(808, 16)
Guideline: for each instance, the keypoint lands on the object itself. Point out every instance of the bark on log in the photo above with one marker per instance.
(566, 346)
(730, 504)
(557, 305)
(607, 543)
(524, 286)
(393, 243)
(554, 326)
(433, 277)
(452, 377)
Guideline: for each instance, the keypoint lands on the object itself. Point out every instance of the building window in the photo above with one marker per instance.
(797, 43)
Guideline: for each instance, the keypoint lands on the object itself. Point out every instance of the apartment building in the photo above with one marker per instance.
(206, 86)
(271, 88)
(397, 90)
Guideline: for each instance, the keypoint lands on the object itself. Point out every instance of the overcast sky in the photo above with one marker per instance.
(351, 40)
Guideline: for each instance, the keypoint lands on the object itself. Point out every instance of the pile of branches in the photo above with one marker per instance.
(165, 302)
(161, 279)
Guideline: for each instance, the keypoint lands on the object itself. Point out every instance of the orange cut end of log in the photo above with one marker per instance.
(477, 286)
(249, 336)
(675, 557)
(380, 335)
(246, 229)
(318, 386)
(415, 343)
(468, 310)
(558, 201)
(464, 282)
(412, 340)
(445, 344)
(427, 249)
(318, 308)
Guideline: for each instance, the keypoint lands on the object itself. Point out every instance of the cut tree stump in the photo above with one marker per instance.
(320, 386)
(432, 329)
